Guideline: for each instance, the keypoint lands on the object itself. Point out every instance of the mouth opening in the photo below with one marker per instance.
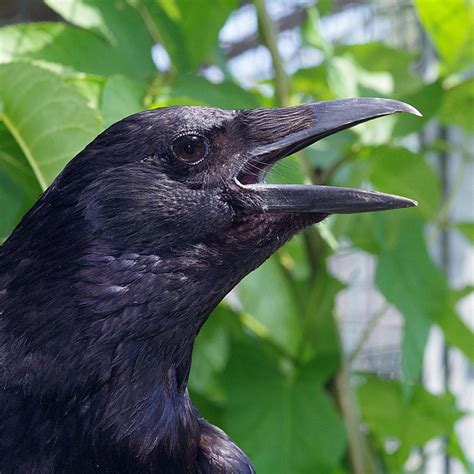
(329, 118)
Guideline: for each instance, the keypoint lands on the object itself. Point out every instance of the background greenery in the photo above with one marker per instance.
(269, 366)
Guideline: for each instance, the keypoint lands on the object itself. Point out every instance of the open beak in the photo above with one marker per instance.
(326, 118)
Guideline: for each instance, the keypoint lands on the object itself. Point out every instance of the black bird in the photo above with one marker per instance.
(107, 280)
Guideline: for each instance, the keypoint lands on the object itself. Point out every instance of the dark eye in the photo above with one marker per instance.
(191, 148)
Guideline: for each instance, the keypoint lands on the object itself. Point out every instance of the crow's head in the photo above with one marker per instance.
(177, 195)
(171, 178)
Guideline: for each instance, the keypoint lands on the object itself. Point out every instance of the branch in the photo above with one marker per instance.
(369, 328)
(270, 40)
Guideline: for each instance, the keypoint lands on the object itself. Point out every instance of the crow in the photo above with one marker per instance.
(107, 280)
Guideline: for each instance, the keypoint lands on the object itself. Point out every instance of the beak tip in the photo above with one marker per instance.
(398, 106)
(403, 202)
(412, 110)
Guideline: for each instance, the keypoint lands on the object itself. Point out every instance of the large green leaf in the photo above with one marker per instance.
(119, 23)
(449, 24)
(284, 422)
(269, 297)
(188, 29)
(196, 90)
(121, 97)
(49, 121)
(399, 171)
(18, 185)
(211, 353)
(52, 43)
(409, 421)
(410, 281)
(458, 105)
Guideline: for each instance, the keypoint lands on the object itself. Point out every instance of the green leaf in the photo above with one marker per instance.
(199, 39)
(14, 164)
(285, 423)
(211, 353)
(376, 57)
(467, 228)
(347, 78)
(49, 121)
(399, 171)
(13, 204)
(409, 280)
(427, 100)
(196, 90)
(320, 329)
(449, 24)
(121, 97)
(461, 293)
(19, 188)
(267, 295)
(52, 43)
(119, 23)
(412, 421)
(458, 105)
(163, 17)
(311, 32)
(187, 29)
(312, 82)
(454, 450)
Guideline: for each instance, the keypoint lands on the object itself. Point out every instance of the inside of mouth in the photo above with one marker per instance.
(256, 168)
(254, 171)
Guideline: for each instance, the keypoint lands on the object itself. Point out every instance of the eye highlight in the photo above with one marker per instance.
(191, 148)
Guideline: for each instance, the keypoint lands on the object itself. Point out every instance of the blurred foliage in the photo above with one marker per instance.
(264, 370)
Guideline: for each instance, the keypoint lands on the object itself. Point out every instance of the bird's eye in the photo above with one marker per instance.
(191, 148)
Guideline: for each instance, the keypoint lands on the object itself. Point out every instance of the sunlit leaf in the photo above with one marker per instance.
(49, 121)
(119, 23)
(409, 421)
(467, 228)
(52, 43)
(449, 24)
(121, 97)
(187, 30)
(347, 78)
(376, 57)
(311, 32)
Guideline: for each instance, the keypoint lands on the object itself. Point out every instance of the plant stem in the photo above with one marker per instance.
(360, 456)
(369, 328)
(270, 40)
(330, 171)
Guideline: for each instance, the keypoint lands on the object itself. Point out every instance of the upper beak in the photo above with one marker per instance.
(327, 118)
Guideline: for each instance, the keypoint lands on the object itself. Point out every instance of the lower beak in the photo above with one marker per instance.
(329, 118)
